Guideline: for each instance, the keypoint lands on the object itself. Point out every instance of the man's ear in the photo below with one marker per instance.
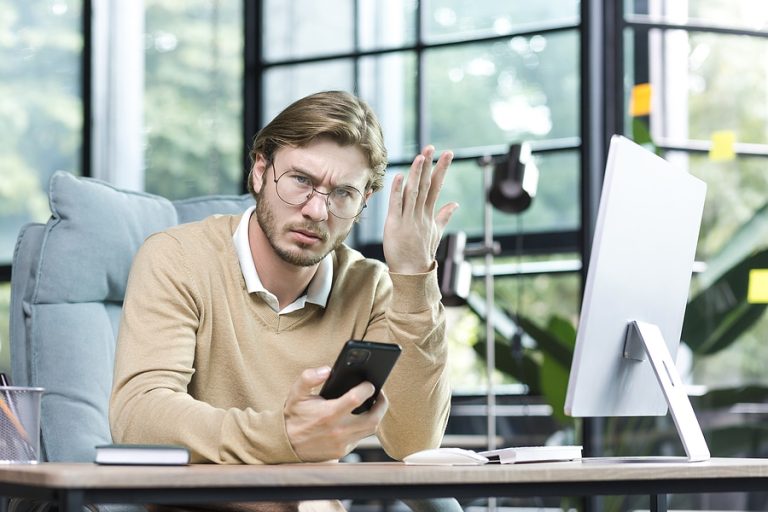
(258, 171)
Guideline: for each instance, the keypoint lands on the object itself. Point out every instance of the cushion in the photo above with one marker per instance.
(196, 208)
(94, 231)
(76, 273)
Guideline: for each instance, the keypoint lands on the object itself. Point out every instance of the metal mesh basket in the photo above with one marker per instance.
(20, 424)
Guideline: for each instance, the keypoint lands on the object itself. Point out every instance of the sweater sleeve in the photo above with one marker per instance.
(154, 365)
(410, 313)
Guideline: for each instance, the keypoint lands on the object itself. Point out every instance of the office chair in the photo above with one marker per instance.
(67, 287)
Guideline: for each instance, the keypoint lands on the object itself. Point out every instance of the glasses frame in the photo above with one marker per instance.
(327, 195)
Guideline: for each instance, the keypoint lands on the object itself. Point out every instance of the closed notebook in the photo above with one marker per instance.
(142, 454)
(520, 454)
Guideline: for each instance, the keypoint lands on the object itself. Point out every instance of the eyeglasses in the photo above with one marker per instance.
(296, 188)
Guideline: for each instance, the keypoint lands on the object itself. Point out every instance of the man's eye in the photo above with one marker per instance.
(302, 180)
(342, 193)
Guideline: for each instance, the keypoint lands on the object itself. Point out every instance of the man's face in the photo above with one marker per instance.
(304, 234)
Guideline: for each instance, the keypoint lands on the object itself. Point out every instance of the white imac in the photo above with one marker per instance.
(635, 295)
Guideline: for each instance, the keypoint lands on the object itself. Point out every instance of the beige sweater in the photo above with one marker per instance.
(202, 363)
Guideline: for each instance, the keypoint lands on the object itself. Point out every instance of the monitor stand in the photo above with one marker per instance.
(644, 338)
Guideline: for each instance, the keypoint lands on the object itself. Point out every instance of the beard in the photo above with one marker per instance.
(268, 225)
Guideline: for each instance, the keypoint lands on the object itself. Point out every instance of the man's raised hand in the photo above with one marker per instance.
(412, 230)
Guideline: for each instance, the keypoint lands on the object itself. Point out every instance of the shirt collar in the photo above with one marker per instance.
(319, 287)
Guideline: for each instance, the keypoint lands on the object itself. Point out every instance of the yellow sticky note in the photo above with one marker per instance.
(722, 146)
(757, 292)
(640, 101)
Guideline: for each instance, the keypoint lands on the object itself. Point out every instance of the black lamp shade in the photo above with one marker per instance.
(515, 180)
(454, 274)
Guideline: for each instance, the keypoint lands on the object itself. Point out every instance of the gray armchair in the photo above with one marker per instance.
(67, 287)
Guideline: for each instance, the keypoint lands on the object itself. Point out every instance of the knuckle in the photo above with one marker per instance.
(324, 417)
(354, 399)
(338, 441)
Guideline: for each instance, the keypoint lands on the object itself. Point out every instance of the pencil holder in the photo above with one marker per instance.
(20, 424)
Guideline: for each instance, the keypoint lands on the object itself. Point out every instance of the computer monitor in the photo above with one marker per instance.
(635, 295)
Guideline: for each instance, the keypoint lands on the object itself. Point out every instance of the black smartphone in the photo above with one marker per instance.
(361, 361)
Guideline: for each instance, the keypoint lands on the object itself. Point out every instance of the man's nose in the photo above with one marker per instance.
(316, 208)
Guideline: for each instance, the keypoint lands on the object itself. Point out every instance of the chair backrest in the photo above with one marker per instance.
(67, 287)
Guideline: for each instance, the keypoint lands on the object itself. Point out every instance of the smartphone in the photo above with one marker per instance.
(361, 361)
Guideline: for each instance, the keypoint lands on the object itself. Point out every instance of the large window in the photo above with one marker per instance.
(193, 97)
(189, 89)
(41, 117)
(706, 66)
(469, 76)
(707, 69)
(40, 107)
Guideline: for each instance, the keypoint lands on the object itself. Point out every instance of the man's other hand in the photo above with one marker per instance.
(413, 229)
(321, 429)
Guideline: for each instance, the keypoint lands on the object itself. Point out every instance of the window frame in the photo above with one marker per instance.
(255, 65)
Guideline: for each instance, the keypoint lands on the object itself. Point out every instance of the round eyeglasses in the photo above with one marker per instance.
(296, 188)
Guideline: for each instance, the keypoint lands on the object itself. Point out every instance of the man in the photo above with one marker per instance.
(229, 324)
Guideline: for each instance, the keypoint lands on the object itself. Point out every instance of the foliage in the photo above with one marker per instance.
(40, 111)
(192, 102)
(720, 313)
(543, 368)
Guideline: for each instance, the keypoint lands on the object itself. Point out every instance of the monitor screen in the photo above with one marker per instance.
(640, 270)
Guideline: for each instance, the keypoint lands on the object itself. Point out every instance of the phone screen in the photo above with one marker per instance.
(361, 361)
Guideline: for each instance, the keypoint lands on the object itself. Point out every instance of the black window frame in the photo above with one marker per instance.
(545, 242)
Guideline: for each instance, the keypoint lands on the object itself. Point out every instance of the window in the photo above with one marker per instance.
(40, 108)
(41, 115)
(704, 61)
(193, 98)
(462, 75)
(191, 76)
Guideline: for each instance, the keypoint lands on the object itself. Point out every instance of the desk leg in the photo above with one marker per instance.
(658, 502)
(71, 501)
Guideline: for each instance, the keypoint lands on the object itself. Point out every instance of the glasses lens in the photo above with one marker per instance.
(345, 202)
(296, 188)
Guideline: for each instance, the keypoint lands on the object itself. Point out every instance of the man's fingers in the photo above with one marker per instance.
(438, 177)
(353, 398)
(310, 379)
(426, 174)
(396, 195)
(444, 215)
(411, 192)
(380, 407)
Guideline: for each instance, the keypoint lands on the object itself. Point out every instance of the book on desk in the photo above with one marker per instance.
(512, 455)
(142, 454)
(520, 454)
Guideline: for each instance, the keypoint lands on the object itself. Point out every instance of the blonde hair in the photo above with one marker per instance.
(336, 115)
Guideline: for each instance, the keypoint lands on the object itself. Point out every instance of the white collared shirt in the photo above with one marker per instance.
(319, 287)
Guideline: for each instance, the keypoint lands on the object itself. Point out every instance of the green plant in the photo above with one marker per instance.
(543, 368)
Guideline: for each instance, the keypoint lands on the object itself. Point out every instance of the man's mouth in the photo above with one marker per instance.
(308, 236)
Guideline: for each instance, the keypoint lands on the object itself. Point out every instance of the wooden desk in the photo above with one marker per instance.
(72, 485)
